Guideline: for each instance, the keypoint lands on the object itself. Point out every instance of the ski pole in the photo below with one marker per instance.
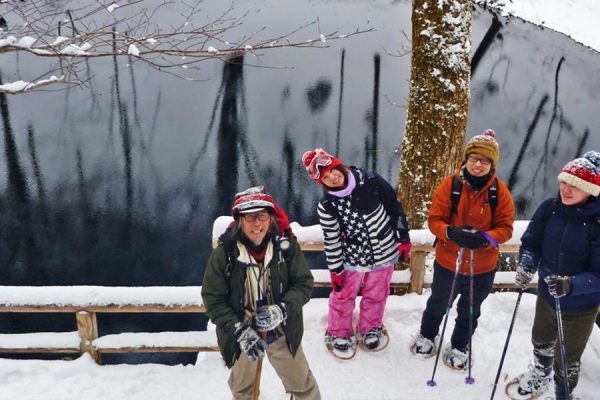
(431, 382)
(469, 379)
(256, 390)
(490, 239)
(563, 349)
(510, 329)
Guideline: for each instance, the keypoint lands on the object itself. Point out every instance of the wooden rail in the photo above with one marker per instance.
(85, 302)
(415, 280)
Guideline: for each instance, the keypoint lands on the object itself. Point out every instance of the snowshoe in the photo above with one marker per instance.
(456, 359)
(375, 339)
(529, 385)
(341, 347)
(423, 347)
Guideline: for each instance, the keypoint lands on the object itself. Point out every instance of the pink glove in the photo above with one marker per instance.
(404, 251)
(337, 281)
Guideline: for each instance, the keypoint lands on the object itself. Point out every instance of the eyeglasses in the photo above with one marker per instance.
(474, 160)
(263, 216)
(318, 162)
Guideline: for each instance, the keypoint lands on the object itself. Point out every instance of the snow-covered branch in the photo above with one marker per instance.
(100, 29)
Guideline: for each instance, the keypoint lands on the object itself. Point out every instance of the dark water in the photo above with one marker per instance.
(119, 183)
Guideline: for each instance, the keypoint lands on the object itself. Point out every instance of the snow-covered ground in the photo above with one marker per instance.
(391, 374)
(575, 18)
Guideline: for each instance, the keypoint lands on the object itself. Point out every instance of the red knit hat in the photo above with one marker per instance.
(252, 200)
(317, 162)
(583, 173)
(256, 199)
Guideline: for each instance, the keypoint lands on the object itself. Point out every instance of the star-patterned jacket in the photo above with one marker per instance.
(362, 230)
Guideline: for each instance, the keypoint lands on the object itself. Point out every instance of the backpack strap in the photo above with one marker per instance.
(493, 195)
(457, 190)
(370, 181)
(227, 242)
(455, 194)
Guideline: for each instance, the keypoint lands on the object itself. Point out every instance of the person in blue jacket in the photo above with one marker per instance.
(562, 243)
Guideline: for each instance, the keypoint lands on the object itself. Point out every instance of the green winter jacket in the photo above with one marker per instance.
(222, 294)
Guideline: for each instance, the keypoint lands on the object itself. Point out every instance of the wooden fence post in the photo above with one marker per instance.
(417, 271)
(88, 331)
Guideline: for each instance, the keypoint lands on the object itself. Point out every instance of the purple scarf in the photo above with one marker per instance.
(348, 189)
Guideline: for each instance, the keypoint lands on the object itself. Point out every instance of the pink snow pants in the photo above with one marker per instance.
(375, 291)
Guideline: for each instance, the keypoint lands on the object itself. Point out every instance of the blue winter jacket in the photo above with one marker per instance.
(565, 240)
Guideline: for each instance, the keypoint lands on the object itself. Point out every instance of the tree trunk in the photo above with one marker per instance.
(438, 101)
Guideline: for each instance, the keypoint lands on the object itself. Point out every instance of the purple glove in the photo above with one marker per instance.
(337, 281)
(404, 251)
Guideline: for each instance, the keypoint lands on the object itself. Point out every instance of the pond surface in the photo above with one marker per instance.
(119, 183)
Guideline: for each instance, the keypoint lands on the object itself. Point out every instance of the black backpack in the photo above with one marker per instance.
(457, 190)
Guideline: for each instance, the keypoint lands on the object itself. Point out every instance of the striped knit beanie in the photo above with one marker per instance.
(583, 173)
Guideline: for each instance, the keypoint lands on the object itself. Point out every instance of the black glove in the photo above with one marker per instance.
(465, 236)
(524, 276)
(268, 317)
(558, 286)
(250, 343)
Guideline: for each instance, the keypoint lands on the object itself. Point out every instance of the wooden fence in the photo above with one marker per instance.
(85, 302)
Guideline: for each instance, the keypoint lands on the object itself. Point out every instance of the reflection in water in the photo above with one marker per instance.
(340, 108)
(318, 95)
(513, 179)
(371, 144)
(490, 36)
(232, 125)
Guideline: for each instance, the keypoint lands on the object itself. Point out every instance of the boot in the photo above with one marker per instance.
(559, 392)
(536, 381)
(373, 337)
(573, 376)
(423, 346)
(456, 358)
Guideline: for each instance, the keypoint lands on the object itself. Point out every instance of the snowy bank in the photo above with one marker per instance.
(575, 18)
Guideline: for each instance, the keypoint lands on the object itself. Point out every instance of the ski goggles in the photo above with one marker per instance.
(320, 161)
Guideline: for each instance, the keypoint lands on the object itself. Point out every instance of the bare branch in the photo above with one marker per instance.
(102, 28)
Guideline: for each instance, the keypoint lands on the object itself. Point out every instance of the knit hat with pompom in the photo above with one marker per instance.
(583, 173)
(317, 162)
(484, 145)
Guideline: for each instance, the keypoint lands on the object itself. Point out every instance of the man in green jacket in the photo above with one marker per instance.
(256, 281)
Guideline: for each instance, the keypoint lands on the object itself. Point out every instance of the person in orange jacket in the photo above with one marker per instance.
(484, 211)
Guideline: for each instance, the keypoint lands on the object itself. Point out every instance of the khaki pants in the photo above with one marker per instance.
(294, 373)
(577, 327)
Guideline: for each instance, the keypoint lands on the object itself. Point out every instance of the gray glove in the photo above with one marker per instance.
(558, 286)
(269, 317)
(250, 343)
(523, 277)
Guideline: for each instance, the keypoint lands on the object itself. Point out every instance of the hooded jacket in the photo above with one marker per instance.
(223, 292)
(473, 210)
(363, 229)
(564, 240)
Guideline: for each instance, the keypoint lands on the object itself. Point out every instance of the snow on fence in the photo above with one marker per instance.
(86, 301)
(414, 278)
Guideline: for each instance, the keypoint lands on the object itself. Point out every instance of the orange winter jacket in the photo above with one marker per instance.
(473, 210)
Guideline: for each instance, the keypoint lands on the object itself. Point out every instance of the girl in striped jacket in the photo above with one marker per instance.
(366, 233)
